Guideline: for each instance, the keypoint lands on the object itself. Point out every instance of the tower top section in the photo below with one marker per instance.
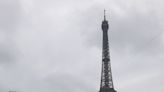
(104, 25)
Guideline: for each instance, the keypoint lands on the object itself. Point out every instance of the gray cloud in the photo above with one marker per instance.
(10, 14)
(9, 19)
(56, 45)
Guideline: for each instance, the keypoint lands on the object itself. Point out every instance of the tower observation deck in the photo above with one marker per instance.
(106, 72)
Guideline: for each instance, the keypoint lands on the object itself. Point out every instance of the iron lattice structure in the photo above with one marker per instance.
(106, 73)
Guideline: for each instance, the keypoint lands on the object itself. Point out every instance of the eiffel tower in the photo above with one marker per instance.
(106, 72)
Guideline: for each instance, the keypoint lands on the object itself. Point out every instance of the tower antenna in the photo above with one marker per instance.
(104, 14)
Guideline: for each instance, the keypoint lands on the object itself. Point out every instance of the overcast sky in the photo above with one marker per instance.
(55, 45)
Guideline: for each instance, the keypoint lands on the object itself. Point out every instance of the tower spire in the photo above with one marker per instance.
(104, 14)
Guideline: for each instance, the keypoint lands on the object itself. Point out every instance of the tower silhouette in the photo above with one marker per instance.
(106, 73)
